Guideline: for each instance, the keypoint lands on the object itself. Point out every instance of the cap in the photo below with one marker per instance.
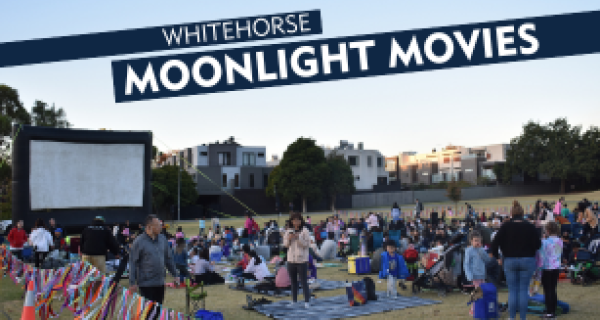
(59, 230)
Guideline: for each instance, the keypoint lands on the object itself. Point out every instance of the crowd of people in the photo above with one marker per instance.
(507, 250)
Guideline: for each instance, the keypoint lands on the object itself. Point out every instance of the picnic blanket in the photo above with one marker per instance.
(337, 307)
(322, 285)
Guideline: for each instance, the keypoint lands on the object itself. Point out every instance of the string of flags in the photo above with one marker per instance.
(86, 292)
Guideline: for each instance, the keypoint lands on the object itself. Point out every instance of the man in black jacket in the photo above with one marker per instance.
(96, 241)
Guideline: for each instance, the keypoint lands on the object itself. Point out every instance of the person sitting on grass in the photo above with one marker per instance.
(225, 249)
(242, 264)
(328, 248)
(203, 270)
(256, 269)
(393, 264)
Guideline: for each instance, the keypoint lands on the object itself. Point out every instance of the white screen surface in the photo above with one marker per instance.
(77, 175)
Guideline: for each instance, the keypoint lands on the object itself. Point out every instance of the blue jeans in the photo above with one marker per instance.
(518, 272)
(183, 272)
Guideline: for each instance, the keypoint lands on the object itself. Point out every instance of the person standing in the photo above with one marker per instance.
(519, 242)
(251, 226)
(17, 237)
(42, 242)
(418, 208)
(395, 212)
(550, 255)
(53, 226)
(297, 240)
(201, 225)
(150, 255)
(96, 240)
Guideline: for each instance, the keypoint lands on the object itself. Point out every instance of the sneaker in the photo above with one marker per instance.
(306, 305)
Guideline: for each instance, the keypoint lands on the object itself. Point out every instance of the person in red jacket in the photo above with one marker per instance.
(17, 238)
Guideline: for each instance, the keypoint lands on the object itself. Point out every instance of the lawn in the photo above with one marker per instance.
(583, 300)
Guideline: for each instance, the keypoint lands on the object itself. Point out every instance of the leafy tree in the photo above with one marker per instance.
(499, 172)
(302, 172)
(6, 201)
(164, 188)
(44, 116)
(11, 112)
(483, 180)
(556, 149)
(341, 179)
(454, 192)
(154, 152)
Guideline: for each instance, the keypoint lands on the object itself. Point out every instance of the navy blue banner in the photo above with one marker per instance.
(356, 56)
(178, 36)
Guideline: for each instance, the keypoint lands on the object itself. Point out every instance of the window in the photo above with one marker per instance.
(446, 160)
(379, 162)
(468, 170)
(357, 178)
(353, 161)
(203, 153)
(249, 159)
(369, 161)
(252, 180)
(224, 181)
(261, 155)
(224, 158)
(456, 159)
(237, 180)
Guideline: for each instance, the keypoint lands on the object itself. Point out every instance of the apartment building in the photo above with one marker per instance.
(452, 162)
(367, 166)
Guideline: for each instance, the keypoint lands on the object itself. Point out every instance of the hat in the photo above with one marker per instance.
(59, 230)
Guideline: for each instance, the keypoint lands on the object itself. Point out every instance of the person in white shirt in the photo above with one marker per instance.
(42, 242)
(328, 248)
(256, 269)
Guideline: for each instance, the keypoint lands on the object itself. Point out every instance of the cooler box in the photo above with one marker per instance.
(359, 265)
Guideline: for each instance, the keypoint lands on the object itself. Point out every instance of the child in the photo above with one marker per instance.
(180, 258)
(392, 267)
(550, 254)
(475, 260)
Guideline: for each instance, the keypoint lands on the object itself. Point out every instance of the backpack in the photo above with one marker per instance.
(487, 306)
(411, 255)
(370, 287)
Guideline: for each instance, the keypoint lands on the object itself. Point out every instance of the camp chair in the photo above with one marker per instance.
(354, 244)
(377, 240)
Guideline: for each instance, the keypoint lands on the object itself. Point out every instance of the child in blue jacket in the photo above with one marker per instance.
(392, 263)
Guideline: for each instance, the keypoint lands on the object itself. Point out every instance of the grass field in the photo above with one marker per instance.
(583, 300)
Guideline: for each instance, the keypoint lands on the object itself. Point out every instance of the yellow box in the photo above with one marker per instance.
(352, 264)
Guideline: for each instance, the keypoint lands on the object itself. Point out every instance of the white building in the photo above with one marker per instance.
(367, 165)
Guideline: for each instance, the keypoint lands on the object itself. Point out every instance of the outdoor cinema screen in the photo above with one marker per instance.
(65, 175)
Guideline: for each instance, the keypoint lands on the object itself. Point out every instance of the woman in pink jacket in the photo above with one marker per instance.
(297, 240)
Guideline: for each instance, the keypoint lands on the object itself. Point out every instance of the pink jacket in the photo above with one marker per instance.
(297, 248)
(557, 208)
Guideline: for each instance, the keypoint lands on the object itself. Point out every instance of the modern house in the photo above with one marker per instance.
(225, 172)
(367, 165)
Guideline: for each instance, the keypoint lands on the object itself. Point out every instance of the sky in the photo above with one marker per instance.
(470, 106)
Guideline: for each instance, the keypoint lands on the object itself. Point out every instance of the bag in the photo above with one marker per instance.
(208, 315)
(411, 255)
(370, 288)
(487, 306)
(357, 293)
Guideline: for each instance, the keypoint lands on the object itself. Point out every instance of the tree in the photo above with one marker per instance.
(499, 172)
(44, 116)
(340, 179)
(154, 152)
(556, 149)
(11, 112)
(483, 180)
(454, 192)
(302, 172)
(164, 188)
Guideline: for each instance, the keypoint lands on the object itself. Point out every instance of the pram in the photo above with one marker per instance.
(584, 271)
(435, 271)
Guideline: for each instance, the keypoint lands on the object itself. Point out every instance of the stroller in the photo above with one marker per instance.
(584, 271)
(436, 269)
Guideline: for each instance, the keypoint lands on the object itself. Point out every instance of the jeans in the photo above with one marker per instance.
(549, 283)
(183, 272)
(295, 270)
(18, 254)
(237, 271)
(39, 258)
(518, 272)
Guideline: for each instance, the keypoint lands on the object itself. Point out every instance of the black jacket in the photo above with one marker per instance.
(97, 239)
(516, 239)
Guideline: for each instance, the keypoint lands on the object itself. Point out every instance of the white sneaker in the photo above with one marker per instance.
(307, 305)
